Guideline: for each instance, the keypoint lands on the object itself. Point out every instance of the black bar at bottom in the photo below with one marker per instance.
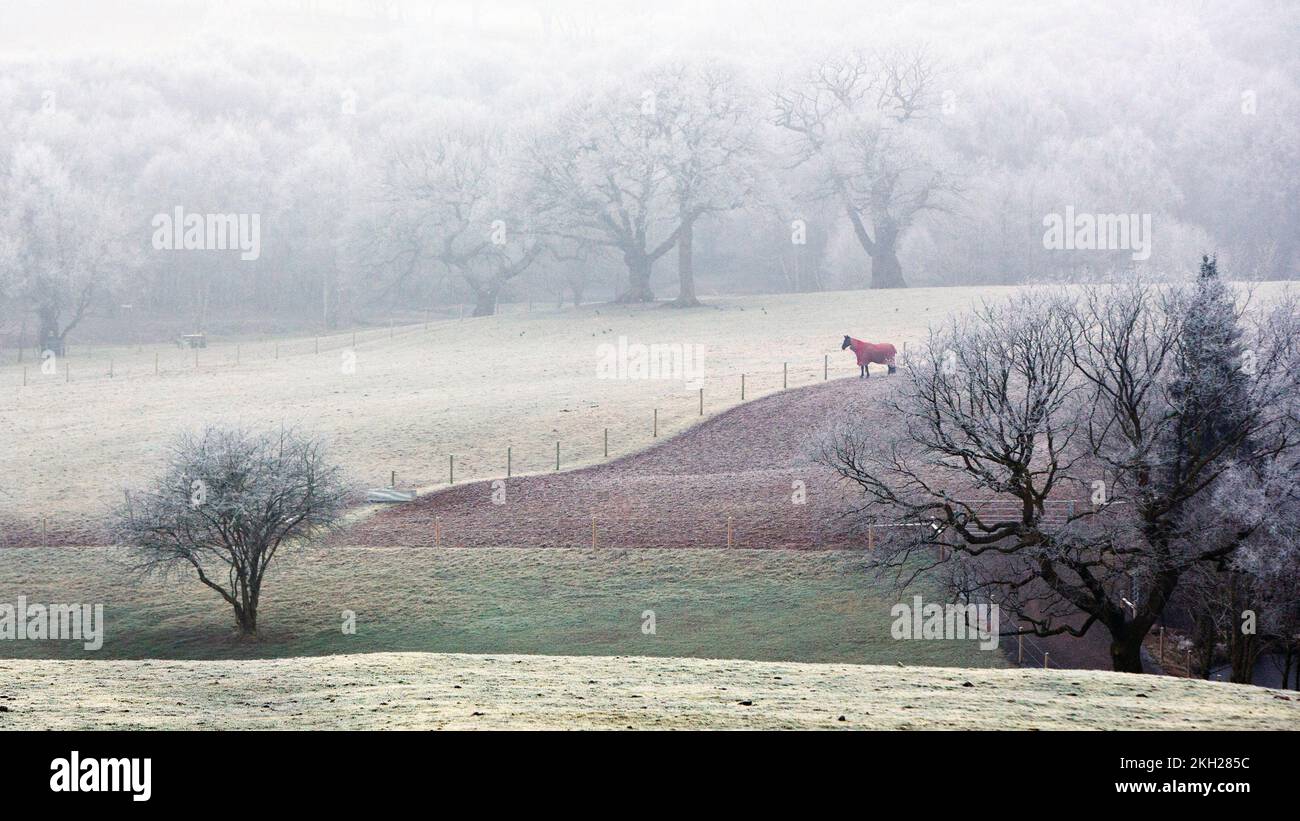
(969, 769)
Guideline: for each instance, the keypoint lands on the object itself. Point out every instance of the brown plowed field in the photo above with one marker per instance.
(743, 464)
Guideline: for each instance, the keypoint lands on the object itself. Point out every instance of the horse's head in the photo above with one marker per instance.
(847, 342)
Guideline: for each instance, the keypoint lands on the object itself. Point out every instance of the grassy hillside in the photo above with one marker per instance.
(434, 691)
(753, 604)
(417, 395)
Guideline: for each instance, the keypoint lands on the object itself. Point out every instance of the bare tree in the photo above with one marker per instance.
(454, 193)
(65, 243)
(602, 177)
(226, 504)
(854, 120)
(1222, 606)
(1253, 600)
(1042, 460)
(710, 120)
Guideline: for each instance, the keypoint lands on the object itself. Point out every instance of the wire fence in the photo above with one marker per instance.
(85, 363)
(190, 354)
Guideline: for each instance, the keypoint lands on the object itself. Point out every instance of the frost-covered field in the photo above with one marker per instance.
(470, 389)
(436, 691)
(414, 397)
(408, 398)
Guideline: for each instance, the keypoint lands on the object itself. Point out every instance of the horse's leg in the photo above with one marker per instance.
(891, 366)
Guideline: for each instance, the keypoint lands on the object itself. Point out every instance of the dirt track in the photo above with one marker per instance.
(741, 464)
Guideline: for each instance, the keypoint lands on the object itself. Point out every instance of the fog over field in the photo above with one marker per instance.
(325, 163)
(672, 344)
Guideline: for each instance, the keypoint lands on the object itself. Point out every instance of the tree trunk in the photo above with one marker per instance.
(1243, 648)
(1244, 656)
(485, 302)
(246, 618)
(1205, 639)
(330, 297)
(686, 266)
(1126, 653)
(886, 272)
(638, 278)
(48, 337)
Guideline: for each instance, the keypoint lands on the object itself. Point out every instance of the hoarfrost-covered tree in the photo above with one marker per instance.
(62, 244)
(602, 176)
(457, 196)
(711, 120)
(856, 121)
(1046, 458)
(227, 504)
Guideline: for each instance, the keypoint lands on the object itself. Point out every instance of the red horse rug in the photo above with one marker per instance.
(881, 353)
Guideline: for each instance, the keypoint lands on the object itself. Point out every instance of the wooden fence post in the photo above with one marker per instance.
(1045, 655)
(508, 460)
(826, 367)
(1020, 649)
(606, 443)
(729, 532)
(742, 387)
(656, 424)
(557, 456)
(701, 401)
(785, 375)
(593, 531)
(451, 469)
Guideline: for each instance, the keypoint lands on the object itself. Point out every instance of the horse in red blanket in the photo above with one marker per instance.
(881, 353)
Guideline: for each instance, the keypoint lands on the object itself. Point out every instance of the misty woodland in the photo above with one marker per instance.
(468, 155)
